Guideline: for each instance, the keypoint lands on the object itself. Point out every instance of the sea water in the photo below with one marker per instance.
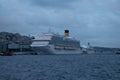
(60, 67)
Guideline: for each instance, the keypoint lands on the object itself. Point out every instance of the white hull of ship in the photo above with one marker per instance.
(51, 50)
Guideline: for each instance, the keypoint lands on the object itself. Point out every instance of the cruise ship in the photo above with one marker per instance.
(53, 43)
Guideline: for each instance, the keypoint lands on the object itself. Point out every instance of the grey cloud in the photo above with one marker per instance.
(52, 3)
(95, 21)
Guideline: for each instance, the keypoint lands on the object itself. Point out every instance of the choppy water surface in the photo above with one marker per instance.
(60, 67)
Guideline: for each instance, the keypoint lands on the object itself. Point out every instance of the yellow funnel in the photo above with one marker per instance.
(66, 33)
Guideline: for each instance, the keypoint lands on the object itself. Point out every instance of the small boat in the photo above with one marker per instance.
(118, 52)
(6, 54)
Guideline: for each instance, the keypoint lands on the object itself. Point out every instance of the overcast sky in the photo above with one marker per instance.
(94, 21)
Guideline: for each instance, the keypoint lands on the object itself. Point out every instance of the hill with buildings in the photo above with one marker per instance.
(13, 38)
(13, 41)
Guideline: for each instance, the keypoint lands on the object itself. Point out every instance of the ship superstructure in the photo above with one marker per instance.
(51, 43)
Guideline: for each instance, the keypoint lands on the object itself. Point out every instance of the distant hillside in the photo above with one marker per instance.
(106, 49)
(14, 38)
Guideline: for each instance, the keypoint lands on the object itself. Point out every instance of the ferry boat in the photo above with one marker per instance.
(53, 43)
